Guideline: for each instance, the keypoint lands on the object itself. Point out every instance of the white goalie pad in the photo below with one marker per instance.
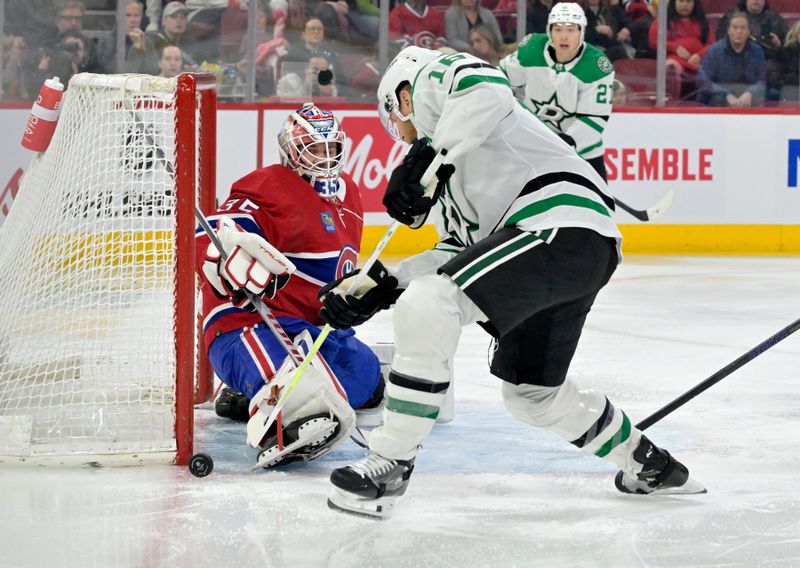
(314, 419)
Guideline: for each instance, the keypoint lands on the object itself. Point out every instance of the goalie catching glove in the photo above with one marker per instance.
(343, 308)
(252, 266)
(405, 198)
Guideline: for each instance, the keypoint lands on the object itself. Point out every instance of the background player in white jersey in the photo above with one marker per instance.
(302, 218)
(529, 241)
(568, 82)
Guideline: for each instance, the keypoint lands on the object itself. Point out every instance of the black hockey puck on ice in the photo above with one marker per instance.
(201, 465)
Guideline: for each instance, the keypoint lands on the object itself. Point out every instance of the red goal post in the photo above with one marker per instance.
(101, 355)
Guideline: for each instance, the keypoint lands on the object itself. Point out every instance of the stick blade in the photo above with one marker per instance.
(661, 206)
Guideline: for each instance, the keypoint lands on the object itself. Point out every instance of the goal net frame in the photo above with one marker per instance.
(190, 172)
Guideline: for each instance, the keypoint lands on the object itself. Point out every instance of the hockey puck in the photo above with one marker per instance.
(201, 465)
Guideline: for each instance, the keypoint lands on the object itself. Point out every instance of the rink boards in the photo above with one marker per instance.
(734, 176)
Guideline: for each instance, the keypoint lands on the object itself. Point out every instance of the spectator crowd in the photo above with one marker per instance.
(736, 53)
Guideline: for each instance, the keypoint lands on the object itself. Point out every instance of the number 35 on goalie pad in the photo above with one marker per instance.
(315, 418)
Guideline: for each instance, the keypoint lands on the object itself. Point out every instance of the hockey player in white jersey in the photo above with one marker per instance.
(568, 82)
(528, 242)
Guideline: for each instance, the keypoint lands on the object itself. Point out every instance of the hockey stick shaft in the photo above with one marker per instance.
(429, 182)
(719, 375)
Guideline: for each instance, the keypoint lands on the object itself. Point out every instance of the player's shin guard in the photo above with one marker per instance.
(588, 420)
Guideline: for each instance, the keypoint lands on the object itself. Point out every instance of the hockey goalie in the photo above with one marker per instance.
(287, 230)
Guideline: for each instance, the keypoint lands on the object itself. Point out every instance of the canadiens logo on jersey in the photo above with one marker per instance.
(348, 259)
(327, 222)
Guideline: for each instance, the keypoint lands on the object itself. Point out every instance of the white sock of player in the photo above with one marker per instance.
(584, 417)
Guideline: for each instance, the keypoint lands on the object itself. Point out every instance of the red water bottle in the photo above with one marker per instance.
(44, 116)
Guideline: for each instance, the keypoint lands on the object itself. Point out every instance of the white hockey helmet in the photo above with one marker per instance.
(567, 13)
(312, 142)
(403, 69)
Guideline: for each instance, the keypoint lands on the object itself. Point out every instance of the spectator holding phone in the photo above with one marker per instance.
(767, 27)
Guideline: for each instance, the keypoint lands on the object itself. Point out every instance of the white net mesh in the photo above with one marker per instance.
(87, 353)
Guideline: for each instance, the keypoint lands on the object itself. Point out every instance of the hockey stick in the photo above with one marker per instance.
(429, 182)
(719, 375)
(651, 212)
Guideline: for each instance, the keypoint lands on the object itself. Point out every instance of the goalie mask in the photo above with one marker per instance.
(567, 13)
(312, 143)
(403, 69)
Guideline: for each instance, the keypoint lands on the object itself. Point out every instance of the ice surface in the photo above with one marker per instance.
(489, 491)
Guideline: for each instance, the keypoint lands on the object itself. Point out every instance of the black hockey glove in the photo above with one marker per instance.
(343, 308)
(405, 198)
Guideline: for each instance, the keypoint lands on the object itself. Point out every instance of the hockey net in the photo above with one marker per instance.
(98, 329)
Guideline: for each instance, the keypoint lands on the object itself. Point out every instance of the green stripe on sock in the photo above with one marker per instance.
(412, 408)
(622, 434)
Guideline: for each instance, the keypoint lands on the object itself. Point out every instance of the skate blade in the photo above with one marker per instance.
(691, 487)
(373, 509)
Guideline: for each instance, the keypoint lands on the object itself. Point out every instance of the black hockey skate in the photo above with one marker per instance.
(370, 486)
(661, 473)
(233, 405)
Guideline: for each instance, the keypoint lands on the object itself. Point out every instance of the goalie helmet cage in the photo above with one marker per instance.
(99, 336)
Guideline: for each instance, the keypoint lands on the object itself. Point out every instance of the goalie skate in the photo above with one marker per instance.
(305, 440)
(661, 474)
(370, 487)
(233, 405)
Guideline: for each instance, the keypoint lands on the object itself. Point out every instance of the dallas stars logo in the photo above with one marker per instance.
(550, 111)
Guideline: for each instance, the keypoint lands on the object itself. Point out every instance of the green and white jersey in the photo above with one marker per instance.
(510, 169)
(573, 98)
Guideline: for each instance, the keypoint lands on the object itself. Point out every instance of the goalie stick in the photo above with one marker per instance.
(651, 212)
(719, 375)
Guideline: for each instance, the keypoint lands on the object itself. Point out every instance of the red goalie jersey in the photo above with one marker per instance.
(322, 237)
